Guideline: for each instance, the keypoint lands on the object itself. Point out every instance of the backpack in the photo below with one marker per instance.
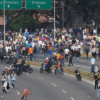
(87, 47)
(50, 63)
(8, 87)
(97, 76)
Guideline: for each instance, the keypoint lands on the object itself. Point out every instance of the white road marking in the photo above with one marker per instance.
(64, 91)
(72, 98)
(82, 60)
(89, 96)
(41, 78)
(2, 96)
(18, 93)
(90, 82)
(53, 84)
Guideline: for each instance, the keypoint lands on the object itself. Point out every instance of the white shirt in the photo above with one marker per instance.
(66, 51)
(43, 45)
(33, 44)
(40, 42)
(7, 48)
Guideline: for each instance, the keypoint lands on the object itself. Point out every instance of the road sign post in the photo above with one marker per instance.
(11, 4)
(38, 4)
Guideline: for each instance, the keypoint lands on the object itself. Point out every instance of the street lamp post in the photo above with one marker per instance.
(62, 3)
(4, 21)
(54, 19)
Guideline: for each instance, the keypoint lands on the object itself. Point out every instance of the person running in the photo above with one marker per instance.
(25, 94)
(3, 77)
(14, 78)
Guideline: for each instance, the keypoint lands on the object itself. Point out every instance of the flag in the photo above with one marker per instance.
(45, 37)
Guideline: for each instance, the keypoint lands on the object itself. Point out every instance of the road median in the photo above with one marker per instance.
(85, 75)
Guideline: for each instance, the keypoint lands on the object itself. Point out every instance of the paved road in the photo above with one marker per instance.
(84, 63)
(49, 87)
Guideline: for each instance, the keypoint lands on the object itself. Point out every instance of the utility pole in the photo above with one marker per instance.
(4, 21)
(54, 18)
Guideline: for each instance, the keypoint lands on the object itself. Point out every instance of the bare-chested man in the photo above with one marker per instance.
(25, 94)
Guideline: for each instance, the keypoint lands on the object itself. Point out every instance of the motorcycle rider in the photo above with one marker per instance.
(47, 65)
(23, 65)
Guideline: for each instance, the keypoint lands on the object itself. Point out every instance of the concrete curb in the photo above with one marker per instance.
(88, 81)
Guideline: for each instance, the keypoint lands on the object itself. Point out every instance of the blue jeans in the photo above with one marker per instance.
(44, 55)
(34, 56)
(15, 68)
(99, 44)
(13, 83)
(77, 58)
(25, 69)
(30, 57)
(98, 93)
(37, 50)
(46, 66)
(92, 67)
(59, 69)
(54, 62)
(62, 62)
(50, 56)
(19, 55)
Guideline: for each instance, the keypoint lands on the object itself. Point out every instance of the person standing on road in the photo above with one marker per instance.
(96, 78)
(14, 78)
(98, 91)
(25, 94)
(59, 67)
(34, 55)
(44, 51)
(3, 77)
(77, 56)
(66, 53)
(96, 69)
(92, 63)
(87, 49)
(70, 59)
(30, 52)
(7, 74)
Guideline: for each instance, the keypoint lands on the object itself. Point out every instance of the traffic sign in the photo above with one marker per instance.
(38, 4)
(11, 4)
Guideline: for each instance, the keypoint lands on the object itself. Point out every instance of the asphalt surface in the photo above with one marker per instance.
(84, 62)
(47, 86)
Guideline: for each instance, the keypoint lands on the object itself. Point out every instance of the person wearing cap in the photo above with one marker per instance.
(25, 94)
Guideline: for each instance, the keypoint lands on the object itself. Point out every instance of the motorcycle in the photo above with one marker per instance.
(9, 59)
(49, 70)
(78, 75)
(18, 70)
(29, 69)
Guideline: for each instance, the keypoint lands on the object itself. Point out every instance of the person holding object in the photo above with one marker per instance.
(25, 94)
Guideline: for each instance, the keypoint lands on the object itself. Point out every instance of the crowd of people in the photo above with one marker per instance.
(66, 45)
